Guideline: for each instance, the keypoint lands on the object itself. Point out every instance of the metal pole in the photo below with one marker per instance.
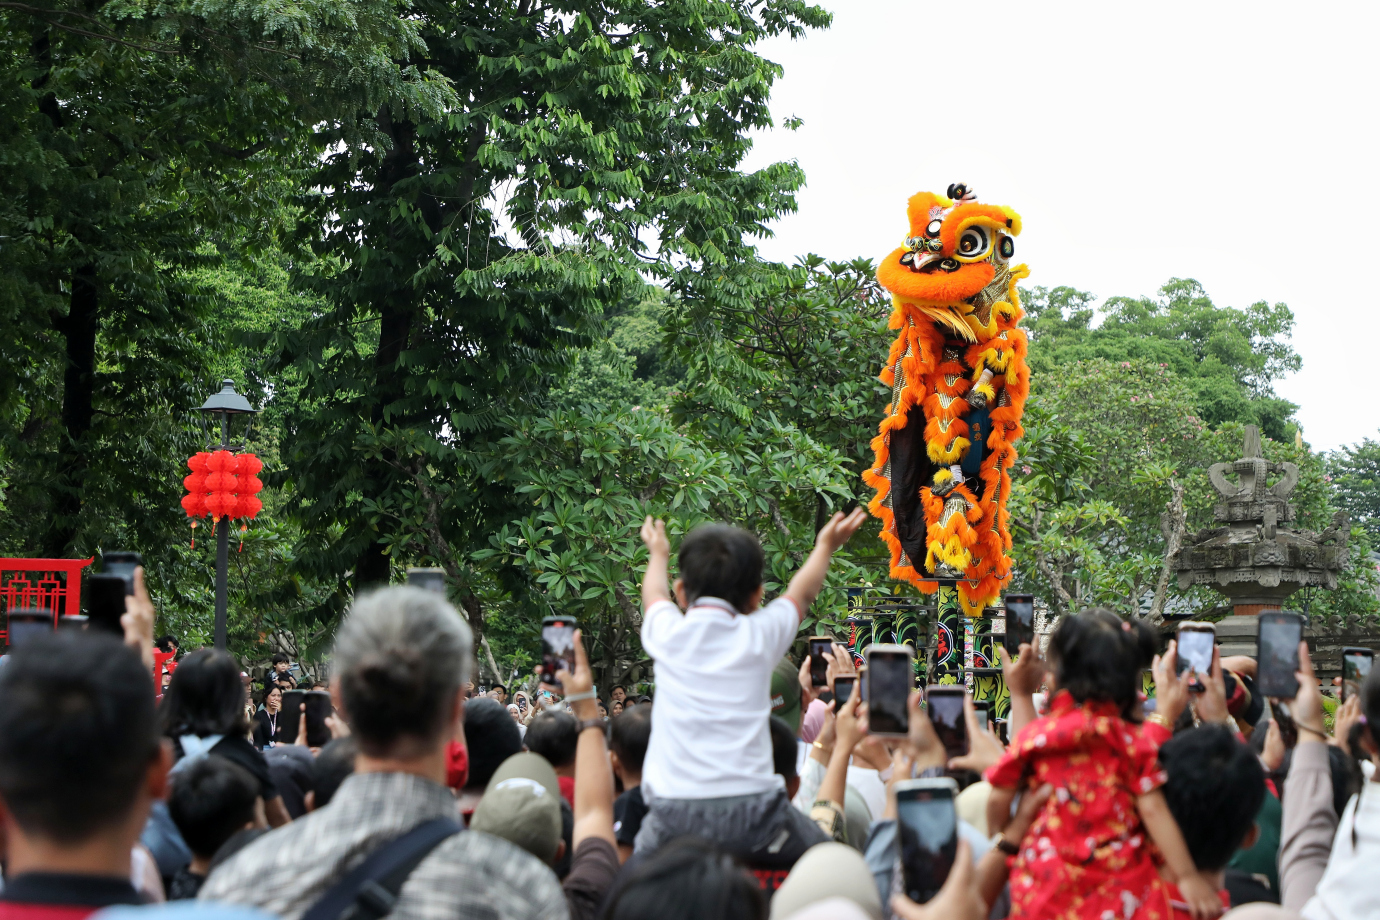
(222, 551)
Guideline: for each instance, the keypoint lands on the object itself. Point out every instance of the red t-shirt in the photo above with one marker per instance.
(567, 784)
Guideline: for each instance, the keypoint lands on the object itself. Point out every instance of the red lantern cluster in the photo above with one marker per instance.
(223, 485)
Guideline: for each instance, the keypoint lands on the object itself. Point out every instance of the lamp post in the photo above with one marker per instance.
(225, 404)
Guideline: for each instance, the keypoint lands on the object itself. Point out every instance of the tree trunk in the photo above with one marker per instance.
(1174, 526)
(78, 328)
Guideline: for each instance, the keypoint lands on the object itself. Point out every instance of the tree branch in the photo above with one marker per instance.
(1174, 526)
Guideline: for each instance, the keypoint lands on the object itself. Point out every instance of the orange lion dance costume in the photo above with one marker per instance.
(959, 383)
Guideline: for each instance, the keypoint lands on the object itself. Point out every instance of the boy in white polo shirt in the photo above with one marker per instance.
(708, 771)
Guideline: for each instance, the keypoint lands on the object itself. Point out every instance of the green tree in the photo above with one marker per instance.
(137, 140)
(1354, 470)
(471, 253)
(1229, 358)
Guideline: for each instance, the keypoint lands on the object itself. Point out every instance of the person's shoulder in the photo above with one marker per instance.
(239, 876)
(475, 868)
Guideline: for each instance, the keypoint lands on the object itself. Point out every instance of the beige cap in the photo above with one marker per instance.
(827, 871)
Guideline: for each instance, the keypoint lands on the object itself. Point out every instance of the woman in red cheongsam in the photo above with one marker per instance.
(1092, 854)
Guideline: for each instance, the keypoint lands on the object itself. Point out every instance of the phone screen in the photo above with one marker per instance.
(1002, 735)
(843, 688)
(1194, 650)
(889, 681)
(427, 579)
(105, 603)
(318, 708)
(289, 715)
(1288, 728)
(1279, 638)
(819, 667)
(946, 714)
(983, 711)
(1020, 622)
(25, 624)
(929, 840)
(1356, 664)
(557, 647)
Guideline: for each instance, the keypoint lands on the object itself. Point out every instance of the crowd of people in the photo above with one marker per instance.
(742, 789)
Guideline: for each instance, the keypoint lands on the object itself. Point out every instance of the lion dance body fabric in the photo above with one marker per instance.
(959, 383)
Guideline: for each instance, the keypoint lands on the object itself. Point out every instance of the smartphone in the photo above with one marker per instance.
(105, 603)
(26, 623)
(843, 687)
(890, 676)
(1277, 639)
(862, 683)
(928, 823)
(427, 579)
(318, 708)
(1195, 642)
(819, 666)
(122, 565)
(1356, 664)
(289, 715)
(1020, 622)
(1003, 734)
(983, 710)
(946, 715)
(557, 646)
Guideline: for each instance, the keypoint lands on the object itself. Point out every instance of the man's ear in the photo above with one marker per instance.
(792, 787)
(156, 778)
(1251, 837)
(678, 589)
(560, 853)
(614, 764)
(754, 600)
(1368, 741)
(308, 800)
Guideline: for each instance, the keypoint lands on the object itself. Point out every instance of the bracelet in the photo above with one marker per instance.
(592, 723)
(576, 697)
(1159, 719)
(1004, 845)
(1312, 731)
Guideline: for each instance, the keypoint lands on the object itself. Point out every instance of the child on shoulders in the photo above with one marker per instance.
(708, 771)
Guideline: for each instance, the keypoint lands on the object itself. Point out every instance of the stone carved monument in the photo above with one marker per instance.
(1251, 556)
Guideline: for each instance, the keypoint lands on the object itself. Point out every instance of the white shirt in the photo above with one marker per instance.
(1347, 888)
(713, 697)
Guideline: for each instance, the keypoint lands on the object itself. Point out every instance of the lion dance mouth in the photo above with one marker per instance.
(959, 383)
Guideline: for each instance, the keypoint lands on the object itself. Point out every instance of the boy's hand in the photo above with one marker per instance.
(654, 535)
(837, 532)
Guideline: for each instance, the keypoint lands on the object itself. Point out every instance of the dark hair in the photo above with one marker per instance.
(783, 747)
(629, 734)
(688, 879)
(267, 692)
(717, 560)
(1096, 655)
(166, 643)
(281, 658)
(211, 799)
(553, 735)
(78, 731)
(333, 764)
(499, 687)
(206, 697)
(491, 737)
(617, 687)
(1216, 786)
(1370, 704)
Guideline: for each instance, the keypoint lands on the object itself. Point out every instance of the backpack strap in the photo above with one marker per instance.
(370, 890)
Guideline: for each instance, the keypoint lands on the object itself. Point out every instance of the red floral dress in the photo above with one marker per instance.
(1087, 856)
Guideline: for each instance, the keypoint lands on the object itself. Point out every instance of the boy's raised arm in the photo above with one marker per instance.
(804, 587)
(655, 583)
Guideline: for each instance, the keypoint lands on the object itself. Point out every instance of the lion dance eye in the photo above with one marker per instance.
(973, 244)
(934, 227)
(1006, 248)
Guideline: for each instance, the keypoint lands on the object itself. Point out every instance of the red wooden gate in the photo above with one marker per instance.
(45, 584)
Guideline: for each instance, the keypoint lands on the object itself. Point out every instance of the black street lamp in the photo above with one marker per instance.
(225, 404)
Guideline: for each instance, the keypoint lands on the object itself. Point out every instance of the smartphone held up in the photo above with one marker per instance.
(1020, 622)
(890, 677)
(927, 821)
(1278, 637)
(557, 646)
(819, 665)
(1356, 664)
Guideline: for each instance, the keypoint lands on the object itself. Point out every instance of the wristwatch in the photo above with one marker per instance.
(592, 723)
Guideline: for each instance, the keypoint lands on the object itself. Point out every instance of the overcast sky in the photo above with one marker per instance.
(1228, 142)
